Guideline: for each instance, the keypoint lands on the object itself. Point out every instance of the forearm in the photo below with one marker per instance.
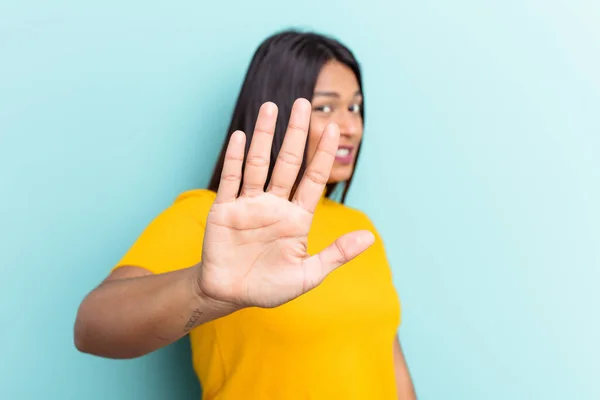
(130, 317)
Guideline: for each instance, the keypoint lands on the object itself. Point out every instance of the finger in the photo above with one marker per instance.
(291, 154)
(344, 249)
(317, 173)
(231, 175)
(259, 154)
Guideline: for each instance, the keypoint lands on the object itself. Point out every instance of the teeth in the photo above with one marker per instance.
(342, 152)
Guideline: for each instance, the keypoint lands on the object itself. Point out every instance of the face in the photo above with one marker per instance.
(337, 98)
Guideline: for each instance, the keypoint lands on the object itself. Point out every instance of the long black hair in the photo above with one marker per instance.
(285, 67)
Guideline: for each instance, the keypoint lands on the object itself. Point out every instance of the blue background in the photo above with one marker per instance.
(481, 168)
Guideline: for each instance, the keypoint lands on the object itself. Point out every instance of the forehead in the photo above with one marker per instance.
(335, 76)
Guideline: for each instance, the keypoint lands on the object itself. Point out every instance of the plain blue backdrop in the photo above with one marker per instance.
(481, 169)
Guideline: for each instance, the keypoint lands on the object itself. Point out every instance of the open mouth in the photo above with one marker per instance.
(344, 154)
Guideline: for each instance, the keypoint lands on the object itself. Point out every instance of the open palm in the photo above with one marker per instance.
(255, 244)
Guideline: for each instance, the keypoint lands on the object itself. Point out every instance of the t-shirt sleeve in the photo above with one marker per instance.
(172, 240)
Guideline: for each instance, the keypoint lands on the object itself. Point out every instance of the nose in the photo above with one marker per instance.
(350, 123)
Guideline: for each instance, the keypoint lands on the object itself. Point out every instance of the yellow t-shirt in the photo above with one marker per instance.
(334, 342)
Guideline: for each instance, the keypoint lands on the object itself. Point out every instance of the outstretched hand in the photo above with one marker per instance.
(255, 244)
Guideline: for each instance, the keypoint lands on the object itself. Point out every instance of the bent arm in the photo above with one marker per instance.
(134, 312)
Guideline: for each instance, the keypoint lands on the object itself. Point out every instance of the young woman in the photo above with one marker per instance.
(286, 293)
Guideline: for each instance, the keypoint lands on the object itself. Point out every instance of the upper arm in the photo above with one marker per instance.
(399, 358)
(404, 382)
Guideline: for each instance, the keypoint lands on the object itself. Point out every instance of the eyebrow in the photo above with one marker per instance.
(335, 94)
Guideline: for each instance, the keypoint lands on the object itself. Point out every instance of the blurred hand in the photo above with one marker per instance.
(255, 244)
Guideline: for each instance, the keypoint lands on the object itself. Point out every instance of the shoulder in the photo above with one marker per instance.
(195, 203)
(196, 196)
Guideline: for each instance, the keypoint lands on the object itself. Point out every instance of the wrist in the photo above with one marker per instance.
(202, 301)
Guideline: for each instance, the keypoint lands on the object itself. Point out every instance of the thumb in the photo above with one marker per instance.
(344, 249)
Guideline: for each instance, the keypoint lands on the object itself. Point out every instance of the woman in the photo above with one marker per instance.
(249, 267)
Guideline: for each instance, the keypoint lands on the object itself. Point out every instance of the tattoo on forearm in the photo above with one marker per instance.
(192, 321)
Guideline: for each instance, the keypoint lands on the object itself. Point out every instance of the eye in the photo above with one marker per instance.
(355, 108)
(325, 109)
